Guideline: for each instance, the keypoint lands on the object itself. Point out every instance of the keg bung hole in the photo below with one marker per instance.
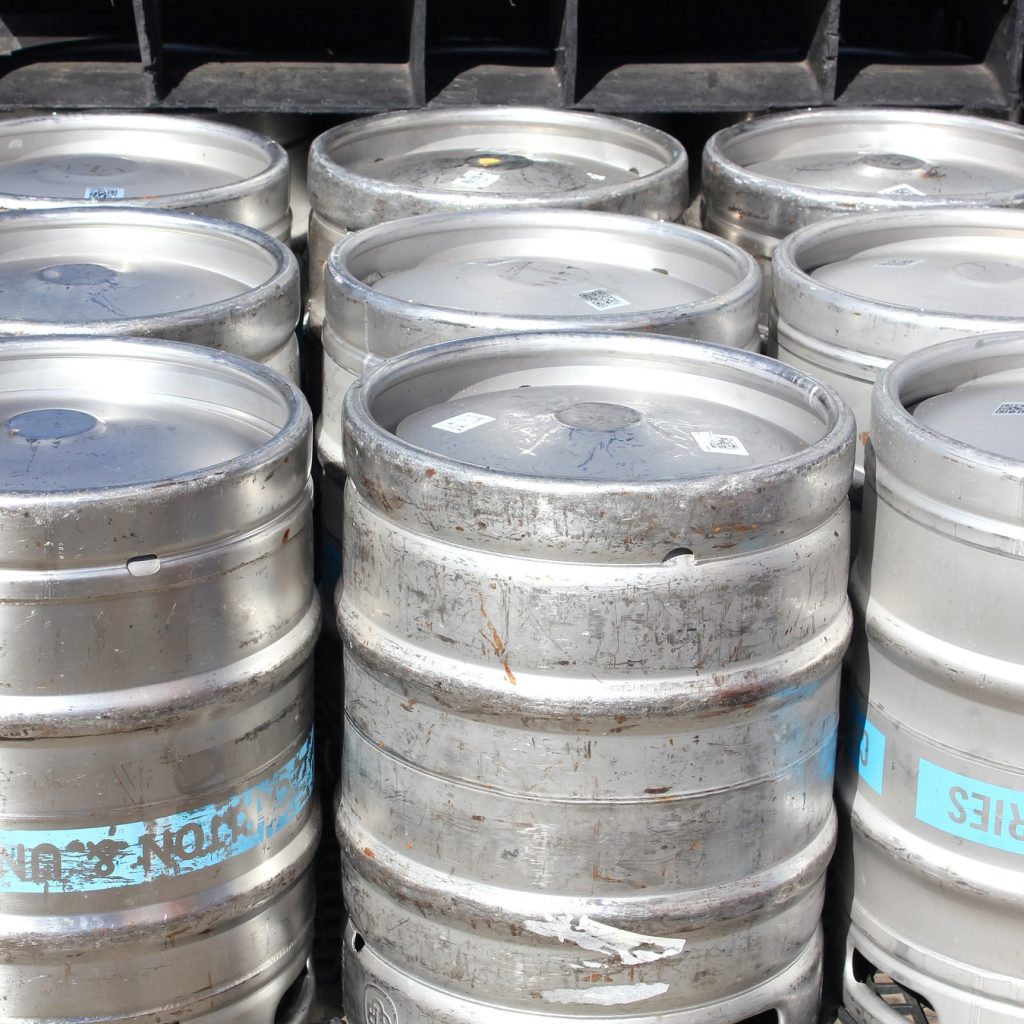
(292, 1002)
(358, 942)
(764, 1017)
(660, 270)
(143, 565)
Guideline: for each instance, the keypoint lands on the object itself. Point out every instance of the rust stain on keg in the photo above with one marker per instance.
(367, 852)
(657, 790)
(286, 536)
(864, 438)
(430, 472)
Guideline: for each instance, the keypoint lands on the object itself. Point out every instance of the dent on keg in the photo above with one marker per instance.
(932, 781)
(155, 161)
(770, 176)
(593, 610)
(158, 614)
(855, 293)
(105, 271)
(427, 161)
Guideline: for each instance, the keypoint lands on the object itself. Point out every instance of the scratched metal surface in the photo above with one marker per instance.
(636, 671)
(158, 617)
(933, 773)
(395, 165)
(104, 270)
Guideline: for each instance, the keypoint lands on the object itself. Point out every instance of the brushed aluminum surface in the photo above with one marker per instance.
(423, 280)
(590, 704)
(855, 293)
(395, 165)
(156, 161)
(116, 271)
(932, 778)
(156, 817)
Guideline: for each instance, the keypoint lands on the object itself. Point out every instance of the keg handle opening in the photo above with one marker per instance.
(143, 565)
(677, 553)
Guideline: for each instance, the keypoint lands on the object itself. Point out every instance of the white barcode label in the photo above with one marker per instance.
(903, 189)
(103, 192)
(898, 262)
(476, 178)
(601, 298)
(1009, 409)
(466, 421)
(719, 444)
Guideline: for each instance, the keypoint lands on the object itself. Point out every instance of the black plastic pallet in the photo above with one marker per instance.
(350, 57)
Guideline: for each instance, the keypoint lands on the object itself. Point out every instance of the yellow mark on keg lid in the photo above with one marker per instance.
(489, 161)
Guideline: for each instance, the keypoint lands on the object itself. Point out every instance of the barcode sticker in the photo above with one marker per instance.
(1009, 409)
(719, 444)
(601, 298)
(903, 189)
(898, 262)
(476, 178)
(466, 421)
(103, 192)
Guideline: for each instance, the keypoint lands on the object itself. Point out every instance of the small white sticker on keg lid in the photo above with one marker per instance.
(476, 178)
(104, 192)
(903, 189)
(601, 298)
(1009, 409)
(719, 444)
(466, 421)
(898, 262)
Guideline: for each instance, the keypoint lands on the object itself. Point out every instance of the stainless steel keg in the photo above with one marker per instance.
(158, 615)
(933, 778)
(767, 177)
(857, 292)
(593, 610)
(103, 271)
(156, 161)
(427, 161)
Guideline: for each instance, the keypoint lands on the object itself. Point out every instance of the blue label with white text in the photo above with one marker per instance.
(978, 812)
(866, 748)
(117, 856)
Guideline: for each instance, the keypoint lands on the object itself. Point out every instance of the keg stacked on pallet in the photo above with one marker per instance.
(932, 781)
(157, 825)
(594, 606)
(159, 615)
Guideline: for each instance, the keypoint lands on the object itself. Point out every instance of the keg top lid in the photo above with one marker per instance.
(83, 416)
(544, 285)
(88, 265)
(986, 414)
(130, 157)
(577, 430)
(962, 273)
(888, 153)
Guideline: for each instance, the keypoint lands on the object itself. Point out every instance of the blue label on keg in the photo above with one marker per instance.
(979, 812)
(117, 856)
(865, 745)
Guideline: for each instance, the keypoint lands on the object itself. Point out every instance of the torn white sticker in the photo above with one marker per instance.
(631, 948)
(902, 189)
(898, 262)
(1009, 409)
(476, 178)
(104, 192)
(719, 444)
(466, 421)
(601, 298)
(606, 995)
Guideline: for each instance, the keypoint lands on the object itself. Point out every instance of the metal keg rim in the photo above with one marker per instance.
(631, 227)
(936, 370)
(276, 158)
(716, 152)
(297, 424)
(361, 425)
(329, 180)
(851, 234)
(283, 277)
